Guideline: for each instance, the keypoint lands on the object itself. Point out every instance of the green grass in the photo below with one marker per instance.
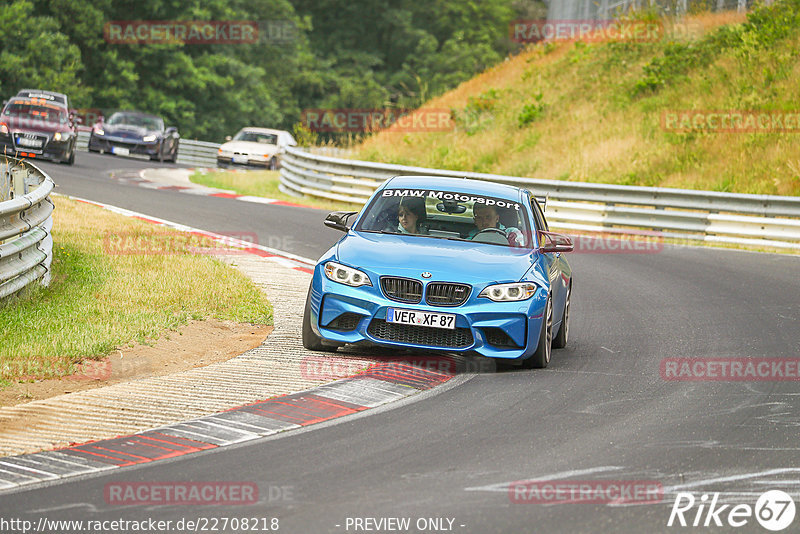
(264, 184)
(100, 300)
(592, 112)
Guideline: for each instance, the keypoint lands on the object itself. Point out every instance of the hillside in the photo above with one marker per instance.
(593, 112)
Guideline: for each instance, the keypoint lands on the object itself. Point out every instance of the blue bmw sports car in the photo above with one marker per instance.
(443, 264)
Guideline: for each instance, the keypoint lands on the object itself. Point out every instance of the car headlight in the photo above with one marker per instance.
(61, 136)
(346, 275)
(509, 292)
(149, 138)
(3, 128)
(99, 131)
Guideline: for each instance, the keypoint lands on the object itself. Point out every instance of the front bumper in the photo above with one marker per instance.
(344, 314)
(252, 161)
(52, 150)
(110, 144)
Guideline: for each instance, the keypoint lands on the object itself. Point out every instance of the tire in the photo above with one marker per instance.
(312, 341)
(71, 159)
(560, 339)
(541, 357)
(159, 155)
(174, 158)
(89, 147)
(273, 163)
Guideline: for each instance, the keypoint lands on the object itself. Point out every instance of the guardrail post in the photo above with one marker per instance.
(46, 246)
(5, 181)
(19, 187)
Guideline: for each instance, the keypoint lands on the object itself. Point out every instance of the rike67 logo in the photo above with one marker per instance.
(774, 510)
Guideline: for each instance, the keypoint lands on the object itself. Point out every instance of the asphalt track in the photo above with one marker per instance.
(601, 411)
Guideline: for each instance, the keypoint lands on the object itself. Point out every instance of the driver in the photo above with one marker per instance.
(411, 216)
(486, 217)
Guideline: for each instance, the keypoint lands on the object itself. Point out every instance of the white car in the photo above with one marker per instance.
(256, 147)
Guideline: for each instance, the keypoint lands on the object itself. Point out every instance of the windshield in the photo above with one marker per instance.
(448, 215)
(150, 123)
(36, 112)
(256, 137)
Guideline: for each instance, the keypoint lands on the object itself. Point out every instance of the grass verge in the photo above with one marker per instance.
(263, 184)
(594, 112)
(100, 299)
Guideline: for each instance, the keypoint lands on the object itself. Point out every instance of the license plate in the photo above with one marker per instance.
(421, 318)
(25, 141)
(238, 158)
(120, 151)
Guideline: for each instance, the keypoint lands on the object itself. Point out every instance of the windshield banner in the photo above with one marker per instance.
(446, 195)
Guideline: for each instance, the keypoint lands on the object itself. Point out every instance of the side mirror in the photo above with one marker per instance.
(170, 130)
(553, 242)
(339, 220)
(228, 137)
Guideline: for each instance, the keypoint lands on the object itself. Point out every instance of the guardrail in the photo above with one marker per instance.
(190, 151)
(200, 153)
(755, 220)
(26, 246)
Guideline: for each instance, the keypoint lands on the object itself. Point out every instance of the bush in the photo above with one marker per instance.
(531, 112)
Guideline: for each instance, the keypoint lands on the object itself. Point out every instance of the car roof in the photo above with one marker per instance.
(28, 100)
(262, 130)
(137, 114)
(61, 98)
(462, 185)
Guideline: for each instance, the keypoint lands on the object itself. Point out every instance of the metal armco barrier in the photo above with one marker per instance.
(26, 246)
(756, 220)
(199, 153)
(190, 152)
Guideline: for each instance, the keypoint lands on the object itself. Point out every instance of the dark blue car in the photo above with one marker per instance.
(134, 133)
(444, 264)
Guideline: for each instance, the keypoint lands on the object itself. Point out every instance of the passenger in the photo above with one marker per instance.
(486, 217)
(411, 215)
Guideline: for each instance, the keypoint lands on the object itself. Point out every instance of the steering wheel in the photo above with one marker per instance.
(491, 235)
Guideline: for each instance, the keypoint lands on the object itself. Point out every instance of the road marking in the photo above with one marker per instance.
(563, 475)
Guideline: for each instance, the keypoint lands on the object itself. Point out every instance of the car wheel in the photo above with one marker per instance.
(541, 357)
(560, 340)
(71, 159)
(312, 341)
(174, 158)
(96, 150)
(273, 163)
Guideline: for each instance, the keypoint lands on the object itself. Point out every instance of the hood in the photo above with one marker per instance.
(446, 260)
(127, 131)
(248, 147)
(25, 124)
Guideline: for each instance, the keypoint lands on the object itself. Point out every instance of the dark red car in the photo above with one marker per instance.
(37, 128)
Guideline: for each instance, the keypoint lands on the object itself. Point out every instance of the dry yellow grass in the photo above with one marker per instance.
(594, 128)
